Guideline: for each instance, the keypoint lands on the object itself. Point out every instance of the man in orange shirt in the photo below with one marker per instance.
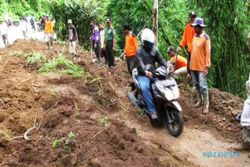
(131, 47)
(179, 62)
(188, 36)
(200, 63)
(49, 32)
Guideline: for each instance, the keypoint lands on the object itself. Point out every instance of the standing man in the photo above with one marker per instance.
(49, 32)
(200, 63)
(102, 36)
(24, 27)
(109, 44)
(33, 22)
(43, 22)
(4, 33)
(187, 37)
(131, 47)
(95, 39)
(245, 115)
(73, 39)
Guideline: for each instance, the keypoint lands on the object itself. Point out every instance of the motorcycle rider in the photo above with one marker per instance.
(148, 54)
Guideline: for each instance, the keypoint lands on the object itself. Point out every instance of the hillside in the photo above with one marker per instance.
(88, 121)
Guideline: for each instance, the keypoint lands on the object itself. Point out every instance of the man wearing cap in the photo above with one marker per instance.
(179, 62)
(109, 44)
(73, 38)
(131, 47)
(188, 36)
(200, 63)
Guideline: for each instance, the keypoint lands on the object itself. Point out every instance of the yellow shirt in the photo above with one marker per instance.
(201, 53)
(49, 27)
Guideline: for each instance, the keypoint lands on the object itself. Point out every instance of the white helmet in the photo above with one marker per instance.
(148, 35)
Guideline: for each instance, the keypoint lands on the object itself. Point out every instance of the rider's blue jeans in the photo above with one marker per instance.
(144, 83)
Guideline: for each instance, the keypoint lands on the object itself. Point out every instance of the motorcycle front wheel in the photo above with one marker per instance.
(174, 121)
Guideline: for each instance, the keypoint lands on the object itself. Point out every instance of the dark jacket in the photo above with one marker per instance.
(72, 33)
(154, 58)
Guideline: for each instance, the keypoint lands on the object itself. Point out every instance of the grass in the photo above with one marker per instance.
(104, 121)
(54, 92)
(64, 65)
(36, 58)
(17, 53)
(56, 143)
(65, 142)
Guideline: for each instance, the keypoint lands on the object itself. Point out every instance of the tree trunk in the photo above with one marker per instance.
(155, 21)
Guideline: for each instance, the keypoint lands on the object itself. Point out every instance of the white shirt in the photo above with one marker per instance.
(102, 36)
(4, 29)
(24, 25)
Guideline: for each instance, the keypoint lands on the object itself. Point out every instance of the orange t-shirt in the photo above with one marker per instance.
(201, 53)
(131, 45)
(179, 62)
(49, 27)
(187, 37)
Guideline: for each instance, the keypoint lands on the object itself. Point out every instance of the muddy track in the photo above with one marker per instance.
(216, 132)
(107, 130)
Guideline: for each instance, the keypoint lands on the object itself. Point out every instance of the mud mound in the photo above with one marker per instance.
(225, 104)
(63, 107)
(221, 118)
(93, 145)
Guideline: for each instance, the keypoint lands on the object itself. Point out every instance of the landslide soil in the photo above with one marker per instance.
(72, 118)
(62, 104)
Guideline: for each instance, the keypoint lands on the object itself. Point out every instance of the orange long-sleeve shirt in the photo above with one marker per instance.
(187, 37)
(201, 53)
(131, 45)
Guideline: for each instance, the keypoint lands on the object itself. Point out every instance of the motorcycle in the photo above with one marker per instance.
(165, 92)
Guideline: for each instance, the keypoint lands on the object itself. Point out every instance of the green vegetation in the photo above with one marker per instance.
(71, 135)
(36, 58)
(17, 53)
(104, 121)
(64, 65)
(66, 142)
(56, 143)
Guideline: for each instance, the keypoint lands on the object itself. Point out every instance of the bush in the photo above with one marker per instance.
(64, 65)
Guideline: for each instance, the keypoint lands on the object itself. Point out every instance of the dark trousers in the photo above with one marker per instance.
(104, 55)
(188, 62)
(5, 39)
(109, 53)
(131, 63)
(96, 47)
